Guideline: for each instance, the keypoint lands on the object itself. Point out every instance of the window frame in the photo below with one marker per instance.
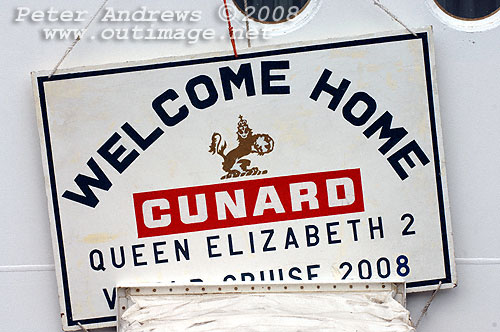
(440, 6)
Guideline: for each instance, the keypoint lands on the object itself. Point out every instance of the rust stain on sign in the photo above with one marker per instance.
(99, 238)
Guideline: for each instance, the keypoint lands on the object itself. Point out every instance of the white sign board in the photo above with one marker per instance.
(314, 162)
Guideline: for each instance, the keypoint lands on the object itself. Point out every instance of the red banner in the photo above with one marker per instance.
(232, 204)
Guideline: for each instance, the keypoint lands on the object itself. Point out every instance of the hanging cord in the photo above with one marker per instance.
(428, 304)
(78, 38)
(70, 48)
(82, 328)
(247, 24)
(394, 17)
(231, 32)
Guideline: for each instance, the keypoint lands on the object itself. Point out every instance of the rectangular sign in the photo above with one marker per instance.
(318, 162)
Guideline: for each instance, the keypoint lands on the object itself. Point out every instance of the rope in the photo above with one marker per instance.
(70, 48)
(428, 304)
(82, 328)
(231, 32)
(394, 17)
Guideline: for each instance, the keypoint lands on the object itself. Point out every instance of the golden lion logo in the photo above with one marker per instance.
(248, 143)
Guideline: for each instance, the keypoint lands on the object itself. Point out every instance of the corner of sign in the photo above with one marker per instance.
(454, 282)
(426, 28)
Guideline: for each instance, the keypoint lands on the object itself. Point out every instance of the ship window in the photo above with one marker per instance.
(271, 11)
(469, 9)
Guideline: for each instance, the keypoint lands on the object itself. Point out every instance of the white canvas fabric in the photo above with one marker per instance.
(340, 312)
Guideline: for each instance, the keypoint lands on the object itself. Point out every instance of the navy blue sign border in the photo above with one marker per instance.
(301, 49)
